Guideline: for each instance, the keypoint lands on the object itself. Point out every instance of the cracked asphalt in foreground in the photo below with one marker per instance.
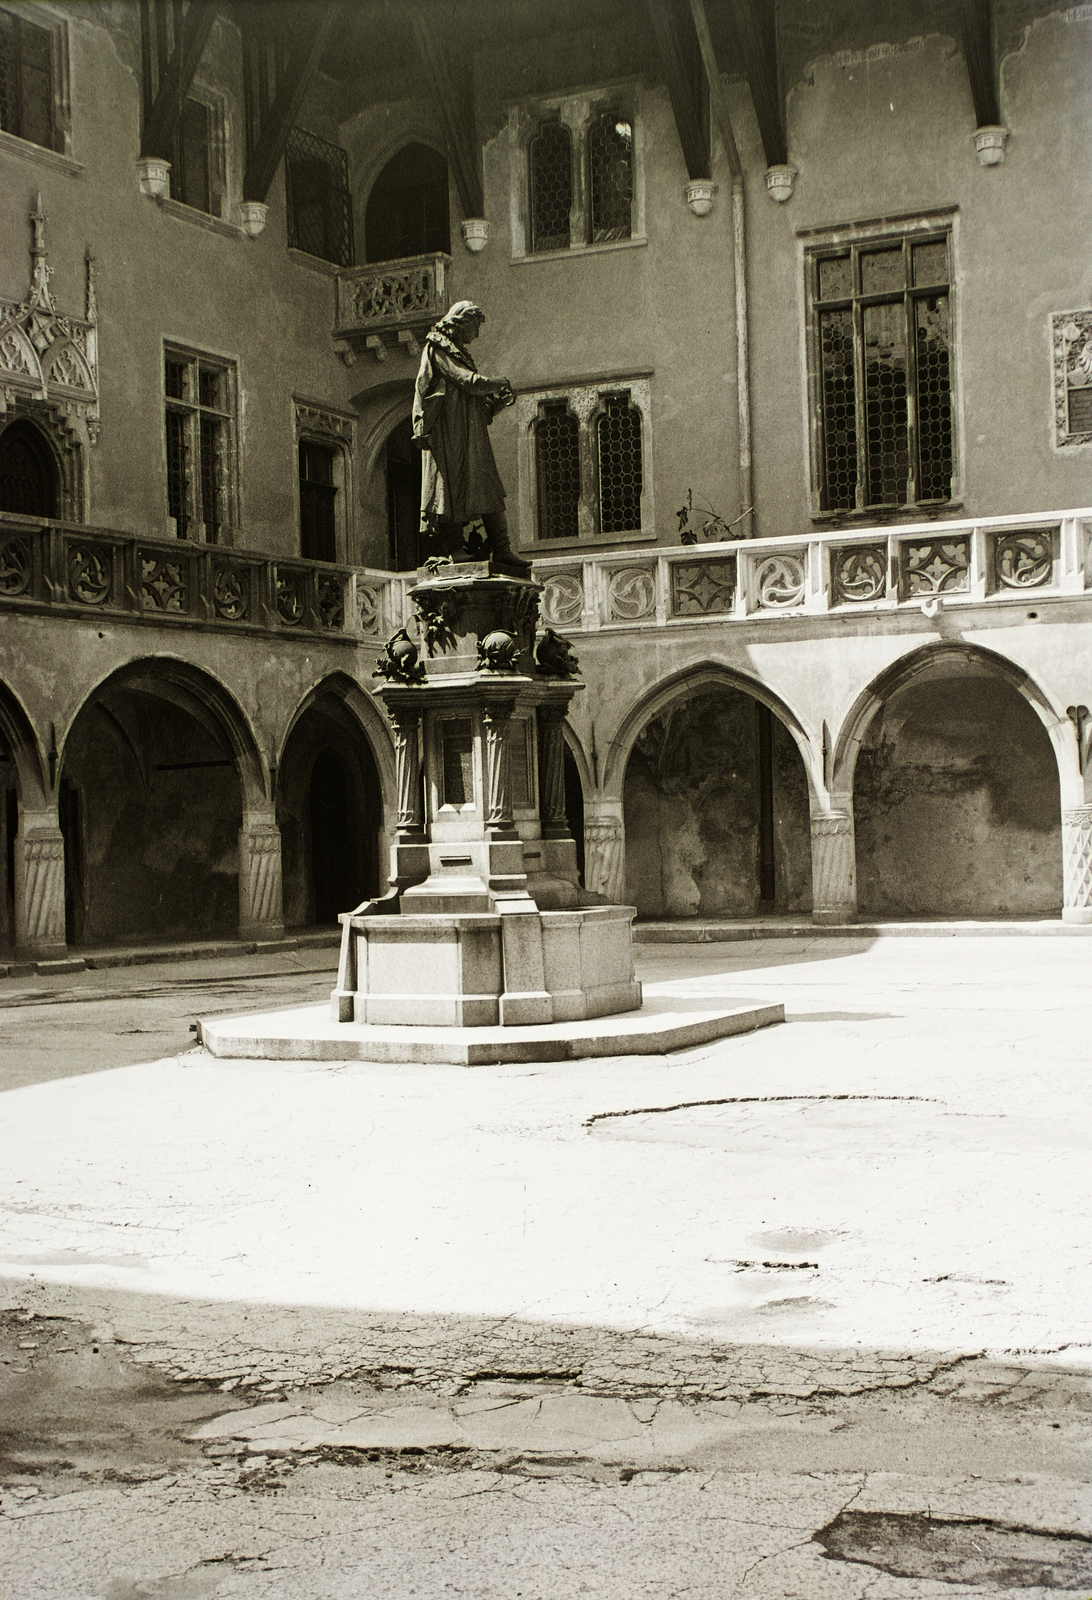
(851, 1360)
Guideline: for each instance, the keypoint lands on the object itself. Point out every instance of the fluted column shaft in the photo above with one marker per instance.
(605, 854)
(1077, 864)
(406, 723)
(496, 727)
(833, 867)
(261, 913)
(39, 888)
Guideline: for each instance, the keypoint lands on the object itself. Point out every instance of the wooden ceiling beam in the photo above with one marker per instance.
(177, 78)
(316, 23)
(756, 29)
(976, 22)
(680, 57)
(450, 78)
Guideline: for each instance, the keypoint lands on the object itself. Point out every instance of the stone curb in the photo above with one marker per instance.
(729, 932)
(152, 955)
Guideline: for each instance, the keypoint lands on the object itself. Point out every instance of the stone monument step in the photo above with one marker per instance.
(307, 1033)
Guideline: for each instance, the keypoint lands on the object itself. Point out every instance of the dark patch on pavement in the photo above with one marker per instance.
(960, 1550)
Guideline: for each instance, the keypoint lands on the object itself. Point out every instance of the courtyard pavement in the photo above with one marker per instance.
(887, 1195)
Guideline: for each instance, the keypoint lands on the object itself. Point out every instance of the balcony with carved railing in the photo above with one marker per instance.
(390, 305)
(995, 561)
(69, 570)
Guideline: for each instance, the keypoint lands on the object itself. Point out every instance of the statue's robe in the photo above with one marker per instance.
(453, 405)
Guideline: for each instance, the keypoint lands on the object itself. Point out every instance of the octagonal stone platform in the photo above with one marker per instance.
(308, 1033)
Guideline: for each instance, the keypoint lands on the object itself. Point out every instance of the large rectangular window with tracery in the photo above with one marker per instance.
(580, 178)
(199, 394)
(881, 359)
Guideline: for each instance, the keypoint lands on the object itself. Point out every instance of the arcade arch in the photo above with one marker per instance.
(716, 801)
(157, 771)
(329, 809)
(953, 766)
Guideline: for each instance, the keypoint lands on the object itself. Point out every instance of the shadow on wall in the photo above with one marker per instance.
(716, 812)
(957, 805)
(151, 811)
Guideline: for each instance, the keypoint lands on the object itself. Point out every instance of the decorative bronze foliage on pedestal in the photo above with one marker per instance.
(400, 664)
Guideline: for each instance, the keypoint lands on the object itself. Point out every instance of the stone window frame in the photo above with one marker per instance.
(316, 422)
(53, 21)
(228, 414)
(1067, 330)
(577, 110)
(585, 397)
(820, 241)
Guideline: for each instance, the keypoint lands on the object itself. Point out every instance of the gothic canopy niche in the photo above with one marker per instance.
(49, 364)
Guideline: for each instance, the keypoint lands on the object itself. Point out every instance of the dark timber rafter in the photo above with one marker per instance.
(192, 29)
(974, 15)
(450, 79)
(756, 30)
(310, 36)
(680, 57)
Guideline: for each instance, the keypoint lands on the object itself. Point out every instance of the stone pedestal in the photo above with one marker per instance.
(1077, 864)
(486, 922)
(833, 868)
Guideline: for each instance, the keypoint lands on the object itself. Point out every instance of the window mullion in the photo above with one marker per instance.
(859, 394)
(912, 430)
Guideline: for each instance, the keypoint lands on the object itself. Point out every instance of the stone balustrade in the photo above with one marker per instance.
(992, 561)
(69, 569)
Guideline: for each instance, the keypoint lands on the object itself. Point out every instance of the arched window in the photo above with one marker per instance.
(551, 155)
(407, 211)
(28, 477)
(610, 172)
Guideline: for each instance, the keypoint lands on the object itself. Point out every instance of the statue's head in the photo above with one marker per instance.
(461, 321)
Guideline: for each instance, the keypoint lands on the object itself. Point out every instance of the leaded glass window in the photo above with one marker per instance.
(557, 466)
(610, 177)
(882, 350)
(618, 442)
(319, 205)
(200, 437)
(551, 156)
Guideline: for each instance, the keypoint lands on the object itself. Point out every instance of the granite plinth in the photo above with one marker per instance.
(308, 1033)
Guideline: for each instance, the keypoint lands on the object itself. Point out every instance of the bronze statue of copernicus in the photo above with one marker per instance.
(453, 406)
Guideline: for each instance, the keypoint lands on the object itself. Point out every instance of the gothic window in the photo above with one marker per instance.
(318, 501)
(320, 208)
(610, 177)
(551, 166)
(557, 464)
(403, 471)
(882, 361)
(200, 437)
(28, 479)
(27, 81)
(407, 210)
(583, 464)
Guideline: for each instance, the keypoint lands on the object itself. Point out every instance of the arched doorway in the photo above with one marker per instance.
(956, 800)
(151, 807)
(407, 211)
(403, 467)
(28, 473)
(330, 811)
(716, 811)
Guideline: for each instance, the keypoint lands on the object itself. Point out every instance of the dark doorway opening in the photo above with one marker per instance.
(331, 845)
(28, 477)
(318, 502)
(403, 499)
(407, 210)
